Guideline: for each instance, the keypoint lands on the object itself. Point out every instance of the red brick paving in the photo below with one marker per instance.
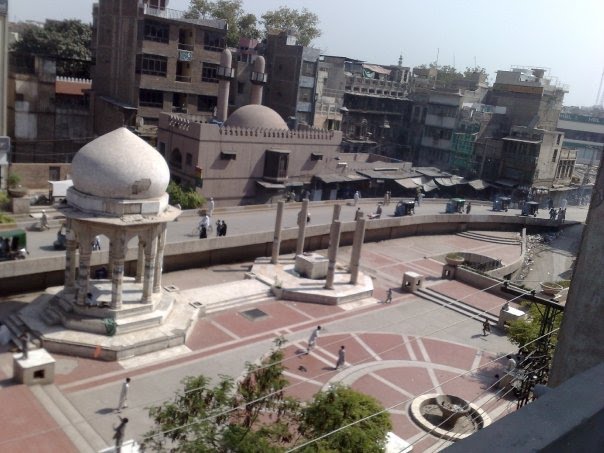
(469, 295)
(453, 355)
(206, 334)
(27, 427)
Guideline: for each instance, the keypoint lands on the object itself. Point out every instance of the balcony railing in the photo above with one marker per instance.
(183, 78)
(177, 109)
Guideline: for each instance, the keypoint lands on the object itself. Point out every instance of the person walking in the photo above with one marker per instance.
(211, 206)
(123, 402)
(223, 229)
(312, 341)
(358, 214)
(486, 328)
(356, 197)
(119, 433)
(341, 357)
(388, 296)
(203, 232)
(469, 207)
(24, 337)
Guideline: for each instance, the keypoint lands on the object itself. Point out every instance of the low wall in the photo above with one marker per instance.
(36, 176)
(40, 273)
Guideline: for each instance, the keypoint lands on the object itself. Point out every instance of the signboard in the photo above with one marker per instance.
(4, 149)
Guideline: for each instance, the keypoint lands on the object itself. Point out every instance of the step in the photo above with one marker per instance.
(488, 238)
(456, 305)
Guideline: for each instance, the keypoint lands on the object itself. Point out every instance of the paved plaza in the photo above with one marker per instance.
(394, 351)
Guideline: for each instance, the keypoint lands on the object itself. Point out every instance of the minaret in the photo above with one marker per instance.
(225, 75)
(258, 79)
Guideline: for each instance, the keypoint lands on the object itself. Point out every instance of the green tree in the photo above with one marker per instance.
(470, 71)
(187, 198)
(240, 23)
(525, 331)
(304, 24)
(227, 417)
(68, 41)
(448, 74)
(341, 406)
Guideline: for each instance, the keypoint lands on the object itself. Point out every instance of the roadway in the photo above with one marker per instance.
(258, 219)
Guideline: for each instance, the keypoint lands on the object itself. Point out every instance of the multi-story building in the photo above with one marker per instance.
(583, 131)
(367, 101)
(292, 71)
(150, 59)
(48, 116)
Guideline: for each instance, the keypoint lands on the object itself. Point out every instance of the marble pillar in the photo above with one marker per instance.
(337, 208)
(140, 261)
(332, 254)
(117, 282)
(357, 245)
(302, 215)
(150, 255)
(84, 271)
(277, 234)
(70, 265)
(159, 259)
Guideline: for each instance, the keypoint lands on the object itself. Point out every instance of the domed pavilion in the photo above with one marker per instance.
(119, 191)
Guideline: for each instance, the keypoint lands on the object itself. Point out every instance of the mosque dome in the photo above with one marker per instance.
(255, 116)
(120, 165)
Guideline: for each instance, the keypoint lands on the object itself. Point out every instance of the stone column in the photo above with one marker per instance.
(225, 74)
(70, 264)
(334, 244)
(277, 234)
(258, 79)
(337, 208)
(84, 268)
(302, 215)
(140, 261)
(159, 259)
(150, 255)
(118, 255)
(357, 245)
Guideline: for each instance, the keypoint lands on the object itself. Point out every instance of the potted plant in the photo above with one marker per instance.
(14, 187)
(454, 259)
(551, 288)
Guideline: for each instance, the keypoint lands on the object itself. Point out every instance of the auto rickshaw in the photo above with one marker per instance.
(501, 204)
(404, 208)
(13, 245)
(530, 208)
(455, 205)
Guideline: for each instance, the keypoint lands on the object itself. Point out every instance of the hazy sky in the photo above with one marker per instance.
(565, 36)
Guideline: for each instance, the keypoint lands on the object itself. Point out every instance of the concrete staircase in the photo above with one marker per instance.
(488, 238)
(456, 305)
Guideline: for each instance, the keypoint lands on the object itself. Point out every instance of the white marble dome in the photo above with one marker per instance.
(120, 165)
(255, 115)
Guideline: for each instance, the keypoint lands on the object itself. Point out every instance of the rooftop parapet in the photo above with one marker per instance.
(183, 16)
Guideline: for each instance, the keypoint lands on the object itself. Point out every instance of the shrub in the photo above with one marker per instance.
(13, 180)
(187, 198)
(4, 200)
(5, 218)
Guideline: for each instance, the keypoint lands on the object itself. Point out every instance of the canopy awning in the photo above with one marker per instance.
(334, 178)
(270, 185)
(279, 151)
(479, 184)
(407, 183)
(429, 186)
(506, 183)
(451, 181)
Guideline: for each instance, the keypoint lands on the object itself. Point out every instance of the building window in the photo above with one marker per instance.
(555, 155)
(305, 94)
(206, 103)
(558, 139)
(240, 87)
(209, 72)
(150, 98)
(157, 31)
(176, 158)
(162, 148)
(308, 68)
(152, 64)
(213, 41)
(189, 159)
(275, 164)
